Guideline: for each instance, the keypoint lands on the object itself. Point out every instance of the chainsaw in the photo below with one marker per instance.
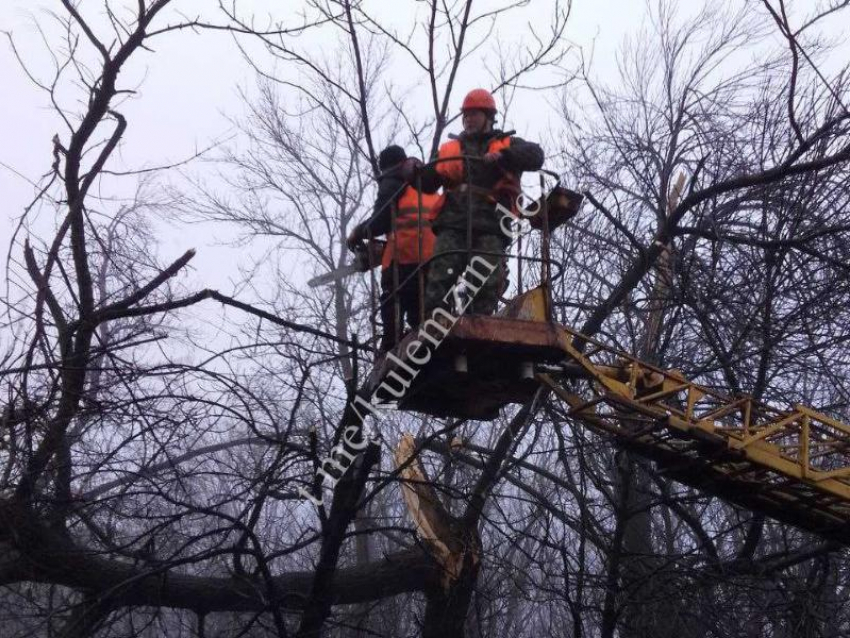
(367, 255)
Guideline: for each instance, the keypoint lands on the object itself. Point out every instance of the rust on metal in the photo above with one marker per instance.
(494, 348)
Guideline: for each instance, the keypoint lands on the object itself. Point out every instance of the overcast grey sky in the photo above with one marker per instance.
(188, 90)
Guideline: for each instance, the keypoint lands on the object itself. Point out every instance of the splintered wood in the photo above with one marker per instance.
(432, 522)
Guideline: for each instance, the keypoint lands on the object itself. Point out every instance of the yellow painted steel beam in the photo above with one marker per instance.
(800, 450)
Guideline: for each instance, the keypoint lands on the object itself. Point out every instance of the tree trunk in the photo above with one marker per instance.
(446, 609)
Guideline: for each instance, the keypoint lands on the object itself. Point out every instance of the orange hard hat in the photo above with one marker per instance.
(479, 99)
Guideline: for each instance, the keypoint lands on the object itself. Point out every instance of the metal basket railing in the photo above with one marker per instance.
(539, 219)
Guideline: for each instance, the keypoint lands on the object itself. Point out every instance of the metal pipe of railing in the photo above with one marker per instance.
(546, 275)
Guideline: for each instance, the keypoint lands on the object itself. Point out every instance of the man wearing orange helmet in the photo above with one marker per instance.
(476, 189)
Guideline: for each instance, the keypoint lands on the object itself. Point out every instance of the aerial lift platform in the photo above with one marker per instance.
(483, 364)
(792, 464)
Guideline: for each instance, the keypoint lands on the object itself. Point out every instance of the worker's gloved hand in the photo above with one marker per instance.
(410, 169)
(492, 158)
(355, 237)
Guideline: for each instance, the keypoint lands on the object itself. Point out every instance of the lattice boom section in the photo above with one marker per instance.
(792, 464)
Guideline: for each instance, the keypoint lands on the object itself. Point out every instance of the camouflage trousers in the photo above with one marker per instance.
(484, 275)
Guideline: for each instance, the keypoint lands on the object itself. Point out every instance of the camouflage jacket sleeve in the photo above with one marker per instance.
(522, 156)
(430, 179)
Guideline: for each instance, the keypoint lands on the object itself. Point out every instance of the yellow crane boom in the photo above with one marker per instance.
(793, 465)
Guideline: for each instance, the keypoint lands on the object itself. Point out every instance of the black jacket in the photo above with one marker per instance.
(390, 187)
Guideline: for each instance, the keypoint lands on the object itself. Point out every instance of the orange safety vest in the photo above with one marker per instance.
(403, 243)
(451, 170)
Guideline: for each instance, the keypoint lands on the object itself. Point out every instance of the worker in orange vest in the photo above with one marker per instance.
(477, 192)
(396, 214)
